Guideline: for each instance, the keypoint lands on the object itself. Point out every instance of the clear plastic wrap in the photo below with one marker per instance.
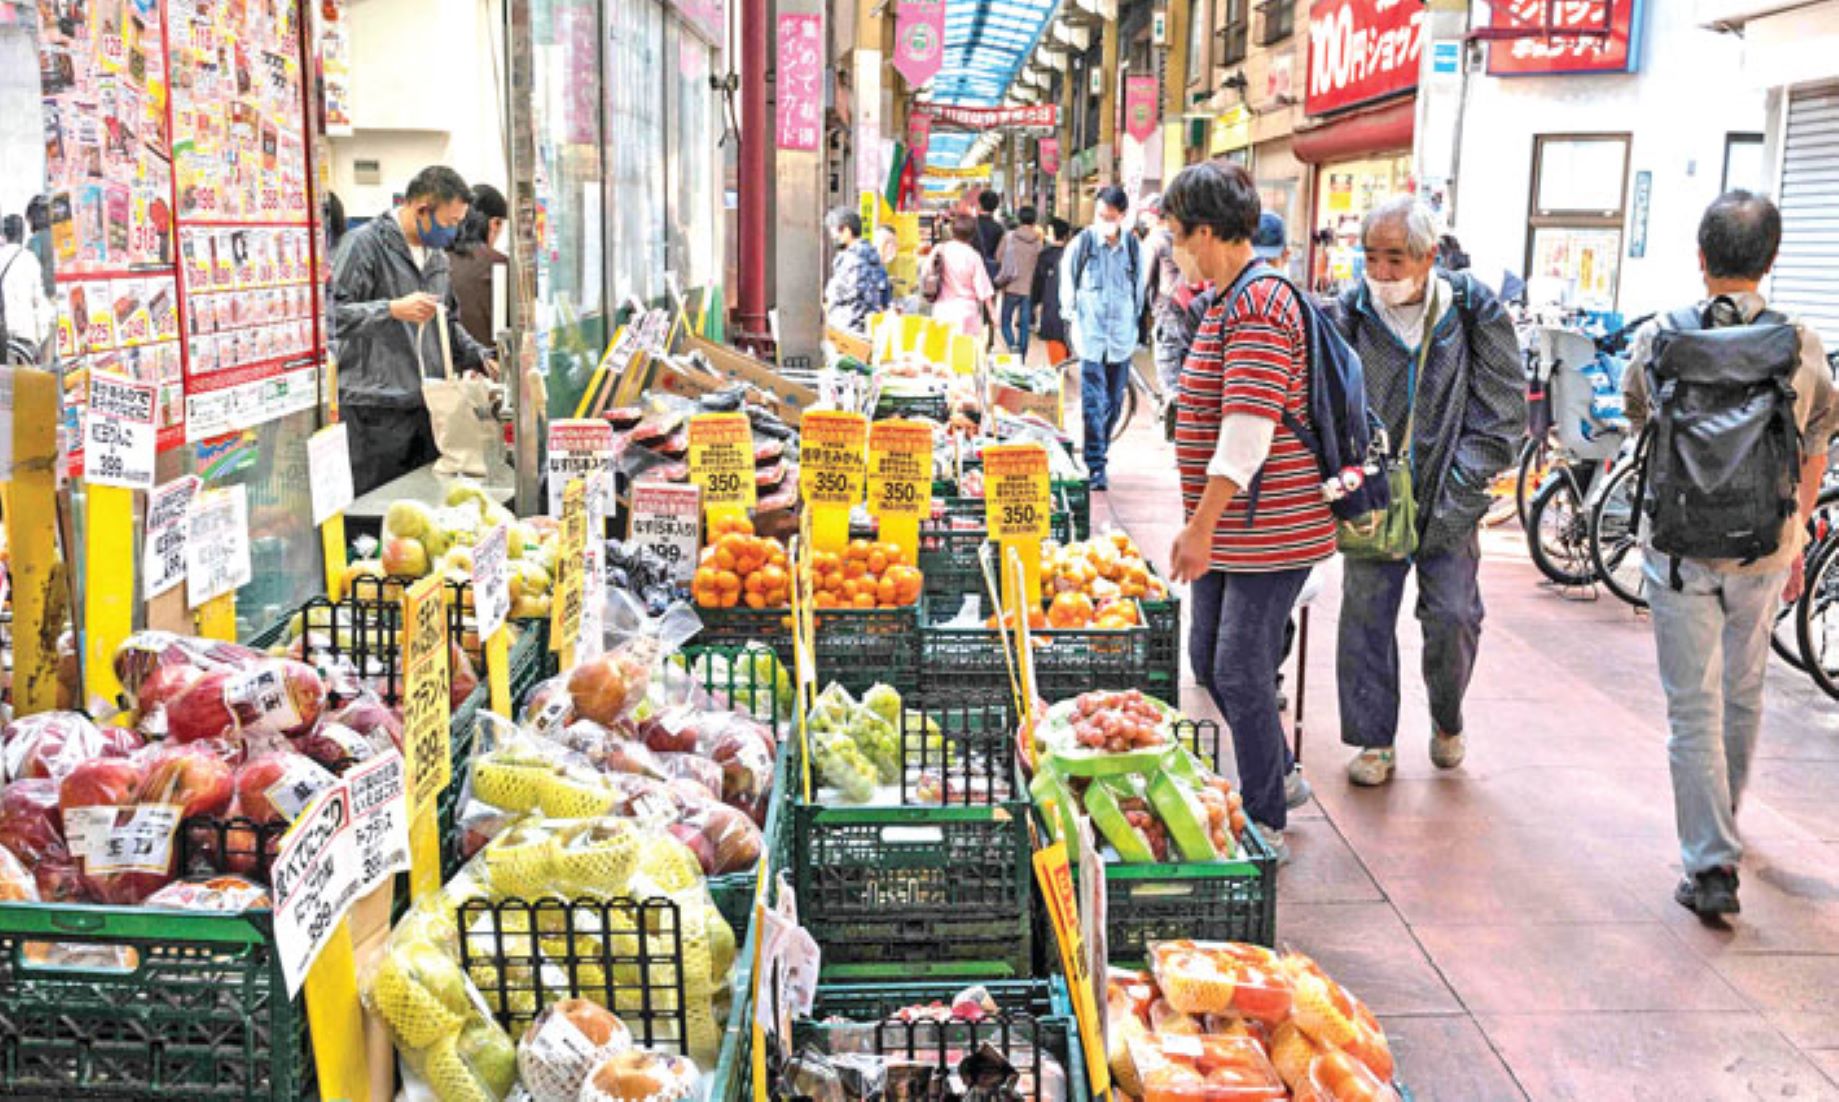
(230, 894)
(1222, 977)
(1181, 1068)
(564, 1044)
(50, 744)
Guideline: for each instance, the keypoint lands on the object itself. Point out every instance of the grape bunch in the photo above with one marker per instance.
(1117, 722)
(844, 767)
(879, 742)
(642, 572)
(1143, 820)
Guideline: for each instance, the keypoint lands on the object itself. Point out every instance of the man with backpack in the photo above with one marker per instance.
(1101, 298)
(859, 285)
(1444, 375)
(1724, 516)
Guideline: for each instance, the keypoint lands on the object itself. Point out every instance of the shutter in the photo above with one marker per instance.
(1806, 280)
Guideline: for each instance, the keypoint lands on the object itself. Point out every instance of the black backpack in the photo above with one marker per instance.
(1721, 453)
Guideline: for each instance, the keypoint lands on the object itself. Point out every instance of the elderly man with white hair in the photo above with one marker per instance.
(1443, 371)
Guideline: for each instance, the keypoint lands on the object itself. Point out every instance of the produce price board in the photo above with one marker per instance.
(721, 459)
(163, 548)
(667, 518)
(899, 469)
(427, 707)
(832, 463)
(1018, 495)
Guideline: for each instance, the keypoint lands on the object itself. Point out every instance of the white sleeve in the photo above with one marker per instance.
(1245, 441)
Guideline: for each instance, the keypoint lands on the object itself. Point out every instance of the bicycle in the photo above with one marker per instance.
(1136, 383)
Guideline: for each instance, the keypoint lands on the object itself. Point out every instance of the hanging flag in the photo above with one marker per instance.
(919, 134)
(897, 168)
(1140, 96)
(1050, 155)
(919, 40)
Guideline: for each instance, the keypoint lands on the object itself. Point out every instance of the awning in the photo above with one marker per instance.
(986, 44)
(1384, 129)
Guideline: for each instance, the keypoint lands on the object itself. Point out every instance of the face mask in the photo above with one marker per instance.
(435, 236)
(1109, 228)
(1391, 293)
(1190, 267)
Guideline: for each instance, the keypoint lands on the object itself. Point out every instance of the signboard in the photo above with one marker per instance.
(972, 172)
(919, 137)
(832, 462)
(315, 881)
(900, 468)
(118, 433)
(800, 82)
(1050, 155)
(578, 449)
(667, 518)
(427, 706)
(721, 459)
(1637, 215)
(1360, 51)
(570, 586)
(492, 579)
(217, 544)
(1231, 129)
(1141, 97)
(379, 818)
(329, 469)
(163, 548)
(1040, 116)
(1018, 495)
(1562, 53)
(919, 40)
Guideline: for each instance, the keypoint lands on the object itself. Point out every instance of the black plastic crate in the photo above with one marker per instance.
(930, 407)
(935, 888)
(1215, 901)
(177, 1005)
(1163, 619)
(970, 660)
(856, 647)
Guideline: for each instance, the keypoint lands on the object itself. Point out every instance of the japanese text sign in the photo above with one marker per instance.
(118, 434)
(329, 471)
(1018, 495)
(163, 548)
(578, 449)
(492, 579)
(832, 465)
(571, 565)
(427, 707)
(1570, 47)
(721, 459)
(800, 78)
(315, 877)
(900, 468)
(667, 519)
(217, 544)
(1361, 50)
(1035, 116)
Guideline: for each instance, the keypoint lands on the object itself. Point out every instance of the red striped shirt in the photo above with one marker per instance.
(1251, 356)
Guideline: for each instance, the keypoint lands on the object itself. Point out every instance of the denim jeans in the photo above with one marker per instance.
(1366, 654)
(1016, 336)
(1101, 391)
(1712, 636)
(1235, 646)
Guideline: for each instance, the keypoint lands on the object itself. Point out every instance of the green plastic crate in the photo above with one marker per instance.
(856, 647)
(1217, 901)
(202, 1012)
(971, 661)
(1163, 619)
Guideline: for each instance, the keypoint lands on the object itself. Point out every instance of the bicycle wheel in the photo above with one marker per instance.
(1816, 618)
(1535, 464)
(1615, 552)
(1558, 535)
(1129, 411)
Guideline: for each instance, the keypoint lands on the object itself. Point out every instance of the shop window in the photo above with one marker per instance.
(1233, 31)
(1279, 21)
(1744, 164)
(1575, 222)
(1201, 17)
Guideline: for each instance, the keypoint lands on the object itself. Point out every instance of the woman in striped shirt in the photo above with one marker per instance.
(1256, 519)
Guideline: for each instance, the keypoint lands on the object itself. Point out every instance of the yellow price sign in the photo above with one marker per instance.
(899, 469)
(427, 707)
(1056, 880)
(832, 468)
(571, 584)
(721, 460)
(1018, 496)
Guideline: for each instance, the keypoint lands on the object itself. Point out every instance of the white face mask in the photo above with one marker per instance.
(1188, 265)
(1108, 228)
(1393, 293)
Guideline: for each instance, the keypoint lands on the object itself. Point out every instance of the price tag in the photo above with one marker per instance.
(721, 459)
(580, 449)
(427, 709)
(1017, 494)
(832, 467)
(492, 580)
(899, 469)
(379, 819)
(217, 544)
(329, 469)
(118, 433)
(667, 519)
(1056, 880)
(142, 844)
(571, 557)
(315, 882)
(163, 549)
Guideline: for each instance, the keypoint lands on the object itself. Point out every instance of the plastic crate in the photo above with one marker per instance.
(856, 647)
(200, 1012)
(951, 548)
(940, 889)
(1163, 619)
(1066, 662)
(1218, 901)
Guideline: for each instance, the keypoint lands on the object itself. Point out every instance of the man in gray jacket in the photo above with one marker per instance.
(389, 276)
(1444, 372)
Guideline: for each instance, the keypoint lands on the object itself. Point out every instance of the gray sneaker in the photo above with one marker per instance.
(1296, 790)
(1274, 841)
(1372, 768)
(1447, 751)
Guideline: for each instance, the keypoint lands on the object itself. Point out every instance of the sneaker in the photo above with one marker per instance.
(1296, 790)
(1273, 841)
(1100, 484)
(1709, 894)
(1372, 768)
(1447, 751)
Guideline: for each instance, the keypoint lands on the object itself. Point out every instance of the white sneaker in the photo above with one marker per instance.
(1447, 751)
(1273, 841)
(1296, 789)
(1372, 768)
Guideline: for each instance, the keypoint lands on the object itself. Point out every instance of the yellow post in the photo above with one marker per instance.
(332, 542)
(108, 596)
(31, 523)
(427, 725)
(498, 670)
(216, 618)
(331, 990)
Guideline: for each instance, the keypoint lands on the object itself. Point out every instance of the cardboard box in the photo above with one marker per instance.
(792, 398)
(1023, 402)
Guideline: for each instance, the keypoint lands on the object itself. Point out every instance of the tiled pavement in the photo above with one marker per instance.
(1512, 921)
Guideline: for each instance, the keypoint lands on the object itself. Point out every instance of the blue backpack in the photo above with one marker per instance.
(1341, 428)
(879, 290)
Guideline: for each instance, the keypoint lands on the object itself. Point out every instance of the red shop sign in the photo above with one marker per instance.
(1361, 50)
(1618, 52)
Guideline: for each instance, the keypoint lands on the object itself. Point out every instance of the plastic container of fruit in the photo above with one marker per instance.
(1107, 802)
(1059, 735)
(1186, 1068)
(1176, 804)
(1211, 977)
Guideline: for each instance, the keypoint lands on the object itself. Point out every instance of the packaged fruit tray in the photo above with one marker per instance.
(128, 1002)
(942, 889)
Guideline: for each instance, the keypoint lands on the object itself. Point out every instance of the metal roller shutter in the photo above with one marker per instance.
(1807, 272)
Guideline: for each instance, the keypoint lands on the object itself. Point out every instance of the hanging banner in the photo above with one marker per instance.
(1361, 50)
(1576, 43)
(973, 172)
(801, 82)
(1039, 116)
(919, 40)
(919, 133)
(1050, 155)
(1140, 101)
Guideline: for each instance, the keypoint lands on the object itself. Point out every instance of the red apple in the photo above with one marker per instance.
(699, 845)
(672, 731)
(30, 824)
(277, 786)
(371, 718)
(605, 688)
(201, 712)
(462, 678)
(335, 746)
(276, 696)
(102, 782)
(198, 778)
(48, 745)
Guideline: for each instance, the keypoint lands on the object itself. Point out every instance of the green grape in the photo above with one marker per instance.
(878, 742)
(844, 767)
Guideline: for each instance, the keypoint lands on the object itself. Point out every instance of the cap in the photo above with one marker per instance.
(1270, 239)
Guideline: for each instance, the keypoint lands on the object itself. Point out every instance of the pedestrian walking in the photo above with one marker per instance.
(1162, 274)
(1724, 517)
(26, 314)
(1255, 517)
(961, 289)
(1046, 291)
(859, 285)
(1103, 271)
(1444, 374)
(1016, 261)
(990, 232)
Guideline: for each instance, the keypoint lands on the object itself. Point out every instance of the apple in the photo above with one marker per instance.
(606, 687)
(30, 823)
(462, 678)
(47, 745)
(732, 837)
(698, 844)
(201, 712)
(403, 557)
(101, 782)
(670, 732)
(279, 696)
(277, 786)
(370, 717)
(196, 777)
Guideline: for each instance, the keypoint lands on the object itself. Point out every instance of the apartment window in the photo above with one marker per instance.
(1279, 21)
(1575, 219)
(1233, 31)
(1743, 163)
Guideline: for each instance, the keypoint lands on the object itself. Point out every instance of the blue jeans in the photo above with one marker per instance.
(1101, 392)
(1712, 637)
(1016, 336)
(1235, 645)
(1366, 654)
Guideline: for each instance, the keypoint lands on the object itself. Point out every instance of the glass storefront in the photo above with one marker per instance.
(1345, 192)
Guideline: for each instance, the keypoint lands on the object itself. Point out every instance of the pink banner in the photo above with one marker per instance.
(1140, 96)
(801, 82)
(919, 137)
(1050, 155)
(919, 40)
